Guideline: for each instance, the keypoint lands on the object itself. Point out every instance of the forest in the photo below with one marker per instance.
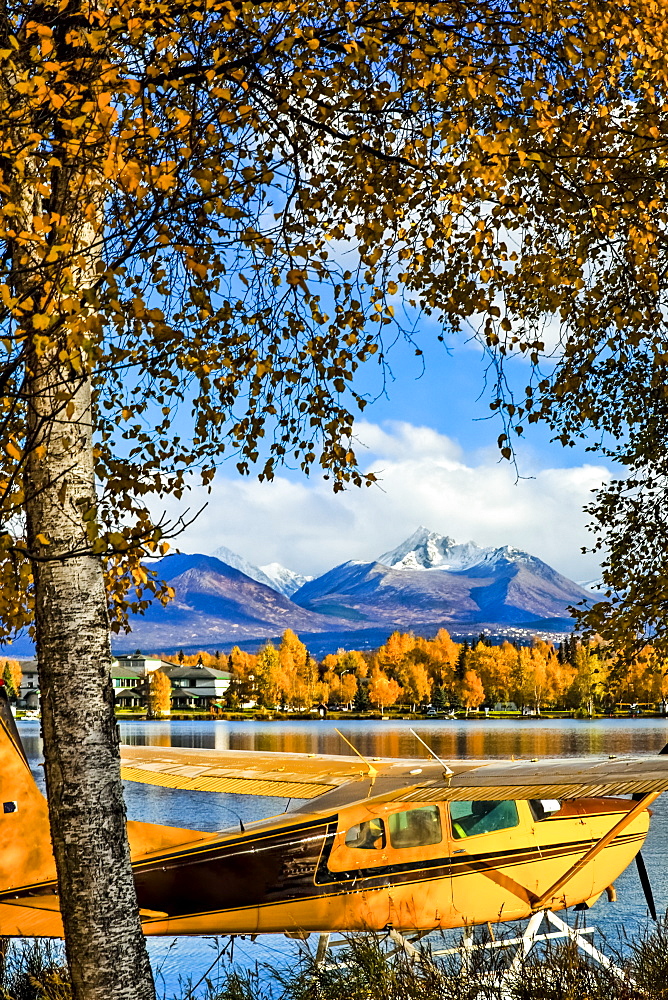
(413, 672)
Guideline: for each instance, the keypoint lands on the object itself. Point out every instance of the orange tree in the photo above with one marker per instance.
(12, 675)
(383, 690)
(221, 208)
(158, 694)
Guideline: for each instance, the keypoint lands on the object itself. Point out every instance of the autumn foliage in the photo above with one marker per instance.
(411, 672)
(159, 694)
(11, 675)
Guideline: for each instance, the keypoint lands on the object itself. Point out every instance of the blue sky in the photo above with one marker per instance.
(433, 445)
(449, 394)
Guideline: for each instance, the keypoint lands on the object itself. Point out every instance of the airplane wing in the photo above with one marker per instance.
(307, 776)
(241, 772)
(566, 778)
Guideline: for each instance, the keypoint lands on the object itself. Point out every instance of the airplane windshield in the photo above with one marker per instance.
(468, 819)
(368, 836)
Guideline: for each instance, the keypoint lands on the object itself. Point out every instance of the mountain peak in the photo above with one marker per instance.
(429, 550)
(281, 579)
(243, 565)
(284, 580)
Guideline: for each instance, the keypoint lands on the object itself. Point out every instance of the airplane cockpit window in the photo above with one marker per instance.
(544, 808)
(368, 836)
(468, 819)
(415, 827)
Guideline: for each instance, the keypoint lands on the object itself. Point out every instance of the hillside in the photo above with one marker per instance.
(216, 604)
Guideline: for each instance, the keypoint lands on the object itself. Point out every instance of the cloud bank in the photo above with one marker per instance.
(423, 479)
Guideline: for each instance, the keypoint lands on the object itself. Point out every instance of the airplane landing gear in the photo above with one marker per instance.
(543, 926)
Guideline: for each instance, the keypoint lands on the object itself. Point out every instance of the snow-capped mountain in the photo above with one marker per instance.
(432, 578)
(428, 550)
(236, 561)
(279, 578)
(427, 582)
(216, 605)
(284, 580)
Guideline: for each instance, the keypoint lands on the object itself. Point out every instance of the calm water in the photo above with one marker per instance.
(183, 957)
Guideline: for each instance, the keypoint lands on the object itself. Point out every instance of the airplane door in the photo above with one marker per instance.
(564, 833)
(492, 845)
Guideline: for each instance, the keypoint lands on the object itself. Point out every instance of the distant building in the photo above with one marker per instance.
(29, 690)
(198, 686)
(141, 664)
(192, 687)
(128, 685)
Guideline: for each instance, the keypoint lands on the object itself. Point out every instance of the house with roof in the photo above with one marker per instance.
(140, 663)
(126, 682)
(197, 686)
(192, 686)
(128, 685)
(28, 696)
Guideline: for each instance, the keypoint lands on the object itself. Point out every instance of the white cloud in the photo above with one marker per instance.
(423, 479)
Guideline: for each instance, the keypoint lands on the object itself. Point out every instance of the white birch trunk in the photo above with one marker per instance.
(106, 949)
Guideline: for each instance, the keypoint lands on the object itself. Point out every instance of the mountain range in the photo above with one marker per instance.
(215, 604)
(430, 578)
(428, 581)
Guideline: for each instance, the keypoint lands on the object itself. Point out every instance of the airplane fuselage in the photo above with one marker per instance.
(299, 873)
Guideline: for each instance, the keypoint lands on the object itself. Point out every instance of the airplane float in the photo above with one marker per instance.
(371, 844)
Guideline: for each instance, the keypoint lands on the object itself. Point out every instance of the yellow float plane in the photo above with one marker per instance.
(400, 844)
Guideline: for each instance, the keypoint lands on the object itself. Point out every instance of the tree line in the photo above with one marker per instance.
(411, 671)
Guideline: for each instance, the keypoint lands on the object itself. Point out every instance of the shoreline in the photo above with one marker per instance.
(376, 717)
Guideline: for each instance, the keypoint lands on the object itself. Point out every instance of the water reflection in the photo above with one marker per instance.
(493, 738)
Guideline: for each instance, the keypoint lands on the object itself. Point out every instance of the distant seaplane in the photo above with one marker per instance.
(401, 844)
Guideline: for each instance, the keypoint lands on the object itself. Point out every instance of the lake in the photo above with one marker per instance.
(179, 958)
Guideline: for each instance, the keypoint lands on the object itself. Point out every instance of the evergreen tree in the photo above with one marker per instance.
(361, 701)
(232, 695)
(461, 667)
(439, 699)
(8, 679)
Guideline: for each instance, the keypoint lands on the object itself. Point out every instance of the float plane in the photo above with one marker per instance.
(369, 844)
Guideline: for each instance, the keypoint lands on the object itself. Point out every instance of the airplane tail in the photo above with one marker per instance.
(29, 903)
(26, 856)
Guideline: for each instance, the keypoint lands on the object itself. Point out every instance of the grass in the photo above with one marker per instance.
(34, 970)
